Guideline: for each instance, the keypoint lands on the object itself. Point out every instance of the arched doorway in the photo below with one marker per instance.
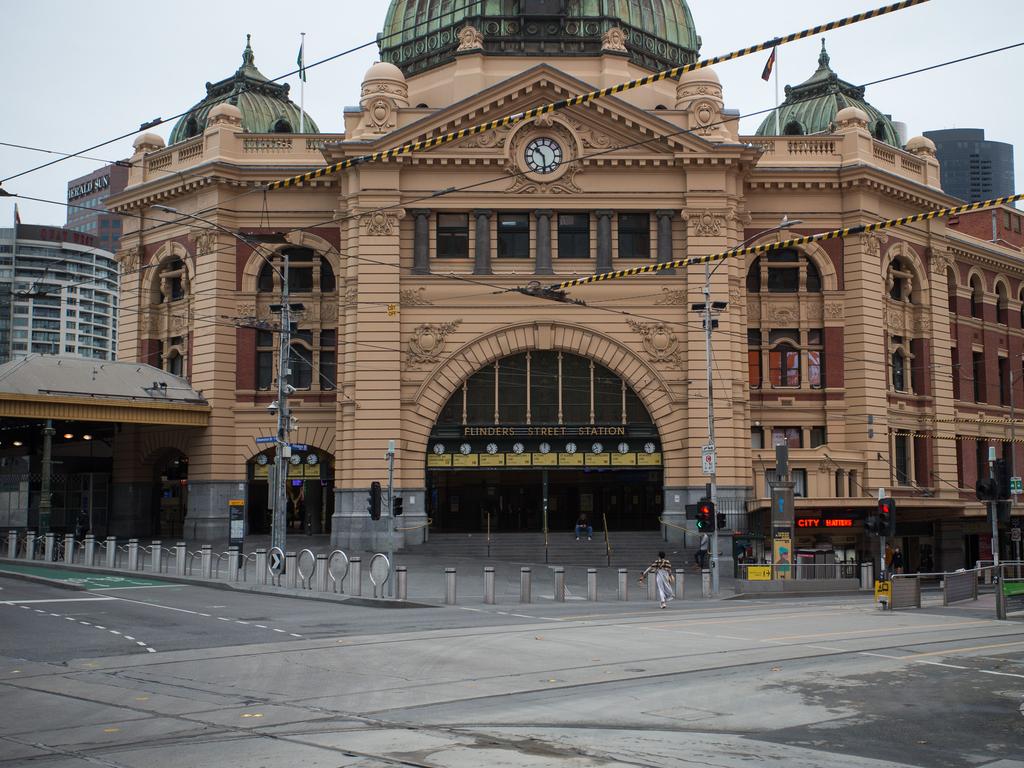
(529, 442)
(171, 483)
(310, 491)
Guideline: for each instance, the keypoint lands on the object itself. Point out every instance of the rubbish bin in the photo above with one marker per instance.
(867, 575)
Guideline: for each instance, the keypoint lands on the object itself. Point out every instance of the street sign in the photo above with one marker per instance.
(708, 460)
(275, 561)
(265, 440)
(299, 447)
(1016, 486)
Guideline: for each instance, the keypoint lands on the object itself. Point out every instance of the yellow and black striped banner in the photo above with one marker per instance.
(953, 436)
(795, 241)
(584, 98)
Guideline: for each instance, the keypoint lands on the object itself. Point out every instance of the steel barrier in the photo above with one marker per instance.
(906, 592)
(958, 586)
(305, 579)
(380, 572)
(337, 581)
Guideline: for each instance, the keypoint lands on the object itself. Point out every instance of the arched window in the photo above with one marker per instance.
(785, 271)
(898, 371)
(900, 360)
(900, 281)
(1002, 304)
(784, 358)
(174, 363)
(754, 276)
(813, 278)
(1021, 297)
(793, 128)
(170, 283)
(282, 126)
(879, 131)
(976, 297)
(951, 289)
(265, 282)
(191, 127)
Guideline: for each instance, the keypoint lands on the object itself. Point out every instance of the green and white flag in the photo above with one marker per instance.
(301, 60)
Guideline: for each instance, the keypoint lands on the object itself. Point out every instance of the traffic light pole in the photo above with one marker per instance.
(279, 527)
(711, 427)
(993, 510)
(391, 518)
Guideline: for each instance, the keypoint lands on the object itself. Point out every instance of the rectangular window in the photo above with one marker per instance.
(819, 437)
(573, 236)
(453, 235)
(901, 445)
(816, 368)
(301, 363)
(791, 436)
(512, 390)
(575, 390)
(757, 437)
(328, 377)
(513, 235)
(607, 396)
(480, 397)
(799, 483)
(543, 387)
(264, 359)
(784, 366)
(978, 370)
(981, 458)
(1004, 381)
(754, 357)
(634, 235)
(783, 279)
(955, 364)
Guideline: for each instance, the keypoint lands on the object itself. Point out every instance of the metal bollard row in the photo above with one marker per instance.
(449, 586)
(525, 585)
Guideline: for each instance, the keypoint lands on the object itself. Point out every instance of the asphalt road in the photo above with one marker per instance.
(174, 675)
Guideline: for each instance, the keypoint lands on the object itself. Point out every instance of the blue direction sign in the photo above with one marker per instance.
(264, 440)
(300, 447)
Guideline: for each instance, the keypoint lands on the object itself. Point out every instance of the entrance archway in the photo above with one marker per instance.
(171, 484)
(310, 491)
(532, 440)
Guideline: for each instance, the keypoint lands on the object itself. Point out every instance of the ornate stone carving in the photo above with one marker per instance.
(895, 320)
(129, 259)
(783, 313)
(660, 343)
(590, 137)
(350, 297)
(940, 261)
(706, 115)
(754, 311)
(813, 311)
(922, 325)
(245, 309)
(470, 39)
(834, 310)
(872, 243)
(205, 241)
(427, 342)
(566, 184)
(705, 223)
(672, 298)
(495, 138)
(380, 116)
(614, 40)
(417, 298)
(379, 223)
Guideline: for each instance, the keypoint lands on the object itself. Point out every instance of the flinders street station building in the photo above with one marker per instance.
(882, 361)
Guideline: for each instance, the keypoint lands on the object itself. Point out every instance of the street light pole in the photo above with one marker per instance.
(278, 532)
(708, 309)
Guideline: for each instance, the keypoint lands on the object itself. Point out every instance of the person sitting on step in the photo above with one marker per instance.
(582, 524)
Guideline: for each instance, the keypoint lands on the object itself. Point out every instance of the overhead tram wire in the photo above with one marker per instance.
(161, 120)
(585, 98)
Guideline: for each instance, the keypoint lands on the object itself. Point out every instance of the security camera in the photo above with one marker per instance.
(272, 407)
(289, 389)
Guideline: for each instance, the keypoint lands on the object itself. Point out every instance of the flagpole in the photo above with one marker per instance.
(302, 85)
(778, 131)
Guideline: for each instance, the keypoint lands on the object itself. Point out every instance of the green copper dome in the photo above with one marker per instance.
(421, 34)
(812, 106)
(265, 106)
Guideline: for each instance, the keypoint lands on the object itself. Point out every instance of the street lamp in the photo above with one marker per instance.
(708, 308)
(283, 445)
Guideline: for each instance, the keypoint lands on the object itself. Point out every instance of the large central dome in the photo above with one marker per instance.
(421, 34)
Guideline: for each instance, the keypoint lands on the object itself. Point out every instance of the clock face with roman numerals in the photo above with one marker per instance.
(543, 155)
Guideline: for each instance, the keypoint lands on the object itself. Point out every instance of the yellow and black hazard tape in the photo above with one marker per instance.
(792, 242)
(983, 420)
(584, 98)
(954, 436)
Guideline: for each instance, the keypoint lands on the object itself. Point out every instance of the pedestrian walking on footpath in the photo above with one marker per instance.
(664, 578)
(701, 556)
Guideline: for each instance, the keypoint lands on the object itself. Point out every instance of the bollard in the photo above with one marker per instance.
(111, 551)
(232, 563)
(705, 583)
(623, 584)
(69, 548)
(261, 566)
(90, 550)
(559, 584)
(321, 573)
(30, 545)
(133, 554)
(525, 579)
(489, 585)
(291, 571)
(592, 584)
(12, 544)
(180, 556)
(680, 575)
(355, 572)
(206, 552)
(449, 586)
(652, 585)
(402, 587)
(156, 556)
(49, 547)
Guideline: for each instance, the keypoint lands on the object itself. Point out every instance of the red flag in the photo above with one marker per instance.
(766, 74)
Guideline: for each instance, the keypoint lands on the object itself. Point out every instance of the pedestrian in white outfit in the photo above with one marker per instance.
(664, 578)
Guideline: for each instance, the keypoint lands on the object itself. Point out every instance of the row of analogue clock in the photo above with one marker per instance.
(466, 448)
(311, 459)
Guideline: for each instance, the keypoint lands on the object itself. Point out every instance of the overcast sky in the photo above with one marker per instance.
(81, 73)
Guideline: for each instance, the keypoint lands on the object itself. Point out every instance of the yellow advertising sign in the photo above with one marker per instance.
(261, 471)
(883, 591)
(545, 459)
(759, 573)
(434, 460)
(782, 552)
(597, 460)
(623, 459)
(518, 460)
(468, 460)
(648, 459)
(492, 459)
(570, 459)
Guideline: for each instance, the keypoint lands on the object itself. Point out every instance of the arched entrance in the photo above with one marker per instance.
(531, 441)
(171, 483)
(310, 491)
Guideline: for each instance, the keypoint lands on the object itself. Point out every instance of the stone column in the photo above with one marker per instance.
(421, 242)
(482, 263)
(604, 241)
(665, 239)
(543, 262)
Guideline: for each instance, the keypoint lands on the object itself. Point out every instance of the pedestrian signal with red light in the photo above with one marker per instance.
(705, 515)
(887, 517)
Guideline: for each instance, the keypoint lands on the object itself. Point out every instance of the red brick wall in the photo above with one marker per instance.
(245, 358)
(835, 374)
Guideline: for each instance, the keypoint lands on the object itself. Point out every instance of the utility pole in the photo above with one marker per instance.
(391, 517)
(711, 426)
(45, 501)
(283, 453)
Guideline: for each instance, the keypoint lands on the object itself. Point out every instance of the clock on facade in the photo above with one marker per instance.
(492, 448)
(465, 448)
(648, 447)
(545, 448)
(623, 447)
(312, 459)
(438, 448)
(295, 459)
(543, 155)
(262, 459)
(518, 448)
(597, 448)
(570, 447)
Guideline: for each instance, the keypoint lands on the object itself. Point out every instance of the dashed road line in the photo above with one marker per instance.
(87, 624)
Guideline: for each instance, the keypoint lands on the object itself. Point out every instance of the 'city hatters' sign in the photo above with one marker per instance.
(582, 431)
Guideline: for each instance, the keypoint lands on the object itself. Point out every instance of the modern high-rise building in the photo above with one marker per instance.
(973, 168)
(58, 294)
(87, 211)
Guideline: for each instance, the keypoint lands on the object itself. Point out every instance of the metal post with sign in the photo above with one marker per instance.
(236, 527)
(783, 514)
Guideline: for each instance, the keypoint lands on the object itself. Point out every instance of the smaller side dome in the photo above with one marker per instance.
(383, 70)
(851, 116)
(148, 141)
(224, 113)
(698, 84)
(921, 145)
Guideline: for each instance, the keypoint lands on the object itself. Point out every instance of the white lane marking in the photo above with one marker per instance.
(139, 642)
(731, 637)
(294, 635)
(1001, 674)
(261, 626)
(205, 614)
(55, 615)
(159, 605)
(239, 621)
(26, 603)
(114, 632)
(69, 618)
(151, 650)
(279, 630)
(941, 664)
(825, 648)
(880, 655)
(221, 618)
(86, 623)
(98, 626)
(146, 586)
(128, 637)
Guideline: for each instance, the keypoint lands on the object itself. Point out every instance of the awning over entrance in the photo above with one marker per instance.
(79, 389)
